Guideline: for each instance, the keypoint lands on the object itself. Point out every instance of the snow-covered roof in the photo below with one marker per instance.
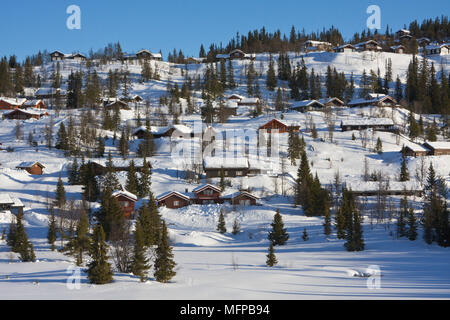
(169, 193)
(13, 101)
(415, 147)
(125, 194)
(222, 56)
(245, 101)
(33, 112)
(29, 164)
(235, 96)
(371, 98)
(32, 103)
(439, 144)
(204, 186)
(5, 199)
(236, 194)
(305, 103)
(49, 91)
(330, 99)
(367, 122)
(182, 128)
(225, 162)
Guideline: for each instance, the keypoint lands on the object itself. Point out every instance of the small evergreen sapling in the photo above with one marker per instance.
(271, 258)
(305, 236)
(221, 227)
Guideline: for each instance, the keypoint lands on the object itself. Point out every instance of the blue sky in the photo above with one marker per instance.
(30, 25)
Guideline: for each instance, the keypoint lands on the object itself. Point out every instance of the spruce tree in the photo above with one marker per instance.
(132, 179)
(327, 222)
(52, 229)
(164, 264)
(140, 263)
(21, 243)
(404, 173)
(110, 180)
(60, 197)
(221, 227)
(402, 216)
(412, 225)
(278, 235)
(99, 269)
(144, 181)
(236, 227)
(81, 241)
(271, 258)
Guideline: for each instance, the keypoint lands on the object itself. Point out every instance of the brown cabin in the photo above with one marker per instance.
(282, 127)
(437, 148)
(415, 151)
(207, 194)
(36, 104)
(11, 103)
(173, 200)
(19, 114)
(34, 168)
(126, 201)
(243, 198)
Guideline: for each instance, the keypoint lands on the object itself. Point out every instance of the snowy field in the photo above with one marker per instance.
(215, 266)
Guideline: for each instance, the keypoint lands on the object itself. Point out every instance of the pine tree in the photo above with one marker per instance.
(110, 180)
(81, 241)
(61, 140)
(271, 258)
(404, 173)
(164, 264)
(150, 221)
(132, 179)
(271, 81)
(74, 173)
(278, 235)
(52, 229)
(379, 146)
(140, 263)
(221, 227)
(327, 222)
(21, 244)
(144, 181)
(99, 269)
(412, 225)
(60, 197)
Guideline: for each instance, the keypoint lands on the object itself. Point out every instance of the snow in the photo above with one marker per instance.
(211, 265)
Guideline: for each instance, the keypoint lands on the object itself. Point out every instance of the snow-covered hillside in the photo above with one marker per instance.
(211, 265)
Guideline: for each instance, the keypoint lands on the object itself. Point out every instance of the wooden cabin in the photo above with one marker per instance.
(173, 200)
(370, 45)
(57, 56)
(345, 48)
(126, 201)
(34, 104)
(313, 45)
(207, 194)
(242, 198)
(11, 103)
(308, 105)
(232, 167)
(439, 49)
(118, 104)
(20, 114)
(398, 49)
(14, 205)
(32, 167)
(377, 124)
(279, 125)
(331, 102)
(437, 148)
(414, 150)
(373, 99)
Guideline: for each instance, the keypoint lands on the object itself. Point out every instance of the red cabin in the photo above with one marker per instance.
(126, 201)
(207, 194)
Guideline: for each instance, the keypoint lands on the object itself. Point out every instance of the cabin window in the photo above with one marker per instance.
(244, 202)
(208, 192)
(124, 204)
(239, 173)
(176, 203)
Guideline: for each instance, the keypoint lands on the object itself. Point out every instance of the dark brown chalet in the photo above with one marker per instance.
(173, 200)
(19, 114)
(242, 198)
(437, 148)
(11, 103)
(117, 104)
(207, 194)
(282, 127)
(126, 201)
(31, 167)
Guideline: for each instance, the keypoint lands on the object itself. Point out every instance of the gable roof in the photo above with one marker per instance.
(206, 186)
(167, 194)
(125, 194)
(29, 164)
